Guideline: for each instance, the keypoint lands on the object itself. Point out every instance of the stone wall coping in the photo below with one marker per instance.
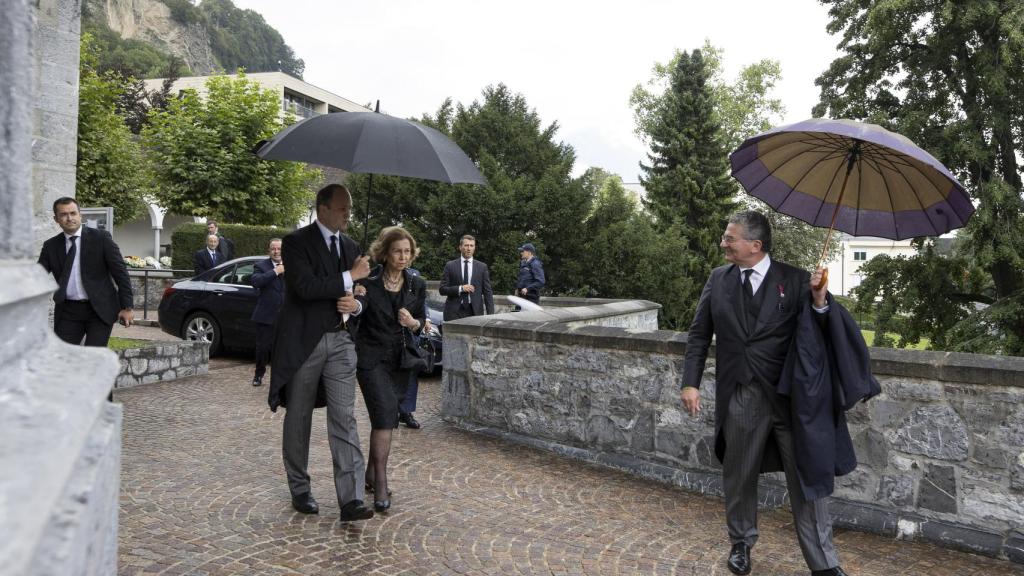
(560, 326)
(546, 301)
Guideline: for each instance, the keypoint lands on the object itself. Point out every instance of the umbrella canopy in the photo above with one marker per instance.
(861, 178)
(372, 143)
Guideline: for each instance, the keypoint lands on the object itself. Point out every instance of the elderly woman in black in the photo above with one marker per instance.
(394, 302)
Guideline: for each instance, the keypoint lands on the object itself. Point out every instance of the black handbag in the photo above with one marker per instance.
(413, 357)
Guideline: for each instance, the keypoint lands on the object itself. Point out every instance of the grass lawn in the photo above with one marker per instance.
(869, 337)
(116, 343)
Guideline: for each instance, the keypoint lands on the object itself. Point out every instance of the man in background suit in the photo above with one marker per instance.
(87, 264)
(467, 284)
(268, 281)
(225, 246)
(750, 306)
(206, 258)
(314, 353)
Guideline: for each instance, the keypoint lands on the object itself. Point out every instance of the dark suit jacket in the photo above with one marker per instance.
(202, 262)
(379, 317)
(480, 278)
(226, 248)
(271, 292)
(100, 262)
(741, 357)
(310, 303)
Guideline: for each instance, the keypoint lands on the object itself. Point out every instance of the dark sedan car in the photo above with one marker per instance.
(216, 307)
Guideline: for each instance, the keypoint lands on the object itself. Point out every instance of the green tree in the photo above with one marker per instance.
(109, 170)
(950, 76)
(200, 151)
(243, 39)
(688, 187)
(530, 195)
(625, 256)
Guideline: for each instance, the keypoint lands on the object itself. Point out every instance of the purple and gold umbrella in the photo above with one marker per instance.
(851, 176)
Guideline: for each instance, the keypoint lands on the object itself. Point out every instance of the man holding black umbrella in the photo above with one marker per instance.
(751, 306)
(314, 356)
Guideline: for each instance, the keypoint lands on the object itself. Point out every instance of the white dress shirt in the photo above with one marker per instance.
(469, 272)
(327, 233)
(760, 273)
(75, 289)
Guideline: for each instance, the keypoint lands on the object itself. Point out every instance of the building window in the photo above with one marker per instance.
(860, 256)
(301, 107)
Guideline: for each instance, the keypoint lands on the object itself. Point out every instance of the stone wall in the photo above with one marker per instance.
(162, 361)
(941, 450)
(59, 466)
(155, 281)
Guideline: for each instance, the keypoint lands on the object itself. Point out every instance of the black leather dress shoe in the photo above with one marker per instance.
(382, 505)
(257, 380)
(355, 510)
(835, 571)
(739, 559)
(409, 420)
(305, 503)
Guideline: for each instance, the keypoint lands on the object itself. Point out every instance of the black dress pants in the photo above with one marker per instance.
(264, 347)
(78, 320)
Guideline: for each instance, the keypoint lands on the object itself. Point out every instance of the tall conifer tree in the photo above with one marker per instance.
(687, 181)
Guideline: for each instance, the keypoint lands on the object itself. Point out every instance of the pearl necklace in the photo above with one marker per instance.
(392, 285)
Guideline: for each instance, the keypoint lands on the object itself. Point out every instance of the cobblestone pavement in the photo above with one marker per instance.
(203, 492)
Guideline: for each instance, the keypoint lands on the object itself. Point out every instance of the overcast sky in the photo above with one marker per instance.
(575, 62)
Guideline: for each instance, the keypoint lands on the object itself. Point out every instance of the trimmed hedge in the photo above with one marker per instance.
(249, 241)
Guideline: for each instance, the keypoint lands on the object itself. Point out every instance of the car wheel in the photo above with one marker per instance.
(201, 327)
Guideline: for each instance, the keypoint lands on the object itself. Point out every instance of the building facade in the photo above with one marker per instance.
(144, 236)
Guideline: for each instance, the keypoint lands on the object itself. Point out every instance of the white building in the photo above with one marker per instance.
(844, 273)
(143, 237)
(298, 97)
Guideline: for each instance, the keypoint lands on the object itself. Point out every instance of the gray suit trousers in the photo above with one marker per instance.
(751, 418)
(334, 361)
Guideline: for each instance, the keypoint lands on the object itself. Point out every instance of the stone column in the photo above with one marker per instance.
(60, 455)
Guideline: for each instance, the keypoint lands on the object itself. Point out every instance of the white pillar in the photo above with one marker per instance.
(156, 219)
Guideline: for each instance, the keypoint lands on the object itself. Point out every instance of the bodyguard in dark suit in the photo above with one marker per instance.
(206, 258)
(87, 265)
(467, 284)
(268, 282)
(225, 246)
(314, 354)
(750, 306)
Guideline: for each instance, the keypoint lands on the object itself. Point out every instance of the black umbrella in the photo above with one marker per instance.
(372, 143)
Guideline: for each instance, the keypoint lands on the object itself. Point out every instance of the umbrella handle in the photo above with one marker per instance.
(824, 279)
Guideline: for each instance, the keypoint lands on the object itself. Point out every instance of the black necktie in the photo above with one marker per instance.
(65, 273)
(334, 253)
(748, 297)
(465, 278)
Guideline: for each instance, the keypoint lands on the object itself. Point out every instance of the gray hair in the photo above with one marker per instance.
(755, 227)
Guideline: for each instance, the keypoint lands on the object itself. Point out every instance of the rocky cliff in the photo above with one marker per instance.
(150, 21)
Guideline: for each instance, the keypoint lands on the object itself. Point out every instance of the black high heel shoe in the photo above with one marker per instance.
(369, 489)
(382, 505)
